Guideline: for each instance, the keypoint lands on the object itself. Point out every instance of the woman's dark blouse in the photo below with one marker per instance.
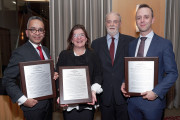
(89, 58)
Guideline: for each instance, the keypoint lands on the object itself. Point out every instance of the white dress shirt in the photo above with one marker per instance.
(147, 43)
(109, 40)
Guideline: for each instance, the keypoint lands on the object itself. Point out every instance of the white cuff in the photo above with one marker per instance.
(21, 100)
(97, 88)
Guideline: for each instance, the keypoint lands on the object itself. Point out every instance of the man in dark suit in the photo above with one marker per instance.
(33, 109)
(112, 49)
(150, 105)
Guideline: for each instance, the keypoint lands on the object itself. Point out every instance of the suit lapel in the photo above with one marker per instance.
(153, 46)
(46, 51)
(132, 48)
(34, 53)
(106, 50)
(120, 47)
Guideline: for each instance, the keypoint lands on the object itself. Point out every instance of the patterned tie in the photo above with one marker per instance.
(141, 47)
(40, 53)
(112, 51)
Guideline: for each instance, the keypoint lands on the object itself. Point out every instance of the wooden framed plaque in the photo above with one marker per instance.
(74, 84)
(141, 74)
(37, 79)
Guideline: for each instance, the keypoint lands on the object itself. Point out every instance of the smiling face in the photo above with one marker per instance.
(38, 36)
(144, 20)
(112, 24)
(79, 39)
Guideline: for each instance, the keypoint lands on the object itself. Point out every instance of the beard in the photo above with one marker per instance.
(112, 32)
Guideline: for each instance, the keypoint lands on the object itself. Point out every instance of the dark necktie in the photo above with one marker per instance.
(40, 53)
(112, 51)
(141, 47)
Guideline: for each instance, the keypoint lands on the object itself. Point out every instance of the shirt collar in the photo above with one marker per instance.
(35, 45)
(115, 36)
(150, 35)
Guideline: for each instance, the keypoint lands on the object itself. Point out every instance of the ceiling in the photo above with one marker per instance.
(29, 6)
(12, 4)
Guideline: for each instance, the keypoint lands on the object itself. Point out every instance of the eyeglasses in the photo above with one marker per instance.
(115, 21)
(79, 35)
(41, 31)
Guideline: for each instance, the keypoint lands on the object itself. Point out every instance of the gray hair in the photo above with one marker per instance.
(114, 14)
(34, 18)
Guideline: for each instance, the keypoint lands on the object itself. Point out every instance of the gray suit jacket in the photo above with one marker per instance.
(11, 78)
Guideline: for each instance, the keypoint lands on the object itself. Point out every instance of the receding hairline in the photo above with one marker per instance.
(114, 13)
(34, 18)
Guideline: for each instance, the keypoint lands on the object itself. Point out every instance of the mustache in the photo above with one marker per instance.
(112, 27)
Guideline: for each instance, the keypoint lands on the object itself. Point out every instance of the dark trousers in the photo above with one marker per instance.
(44, 113)
(78, 115)
(137, 112)
(114, 111)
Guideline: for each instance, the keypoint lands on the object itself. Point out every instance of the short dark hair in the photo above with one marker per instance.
(146, 6)
(69, 40)
(34, 18)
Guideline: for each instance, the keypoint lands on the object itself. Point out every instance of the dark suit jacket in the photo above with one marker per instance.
(112, 75)
(11, 76)
(167, 73)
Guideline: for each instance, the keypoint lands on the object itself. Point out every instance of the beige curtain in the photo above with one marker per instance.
(64, 14)
(172, 32)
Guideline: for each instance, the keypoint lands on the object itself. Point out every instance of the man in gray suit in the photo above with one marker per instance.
(33, 109)
(112, 49)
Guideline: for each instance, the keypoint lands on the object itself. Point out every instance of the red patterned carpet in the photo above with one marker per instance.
(172, 118)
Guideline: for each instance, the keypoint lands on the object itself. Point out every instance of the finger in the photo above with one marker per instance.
(64, 105)
(123, 90)
(91, 103)
(33, 101)
(95, 98)
(57, 101)
(126, 95)
(145, 97)
(144, 93)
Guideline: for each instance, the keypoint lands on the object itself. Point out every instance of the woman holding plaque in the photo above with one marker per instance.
(79, 53)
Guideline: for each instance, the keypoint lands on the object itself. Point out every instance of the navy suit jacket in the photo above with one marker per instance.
(11, 78)
(113, 76)
(167, 71)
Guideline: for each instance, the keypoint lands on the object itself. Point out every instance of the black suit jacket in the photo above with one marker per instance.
(11, 78)
(113, 76)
